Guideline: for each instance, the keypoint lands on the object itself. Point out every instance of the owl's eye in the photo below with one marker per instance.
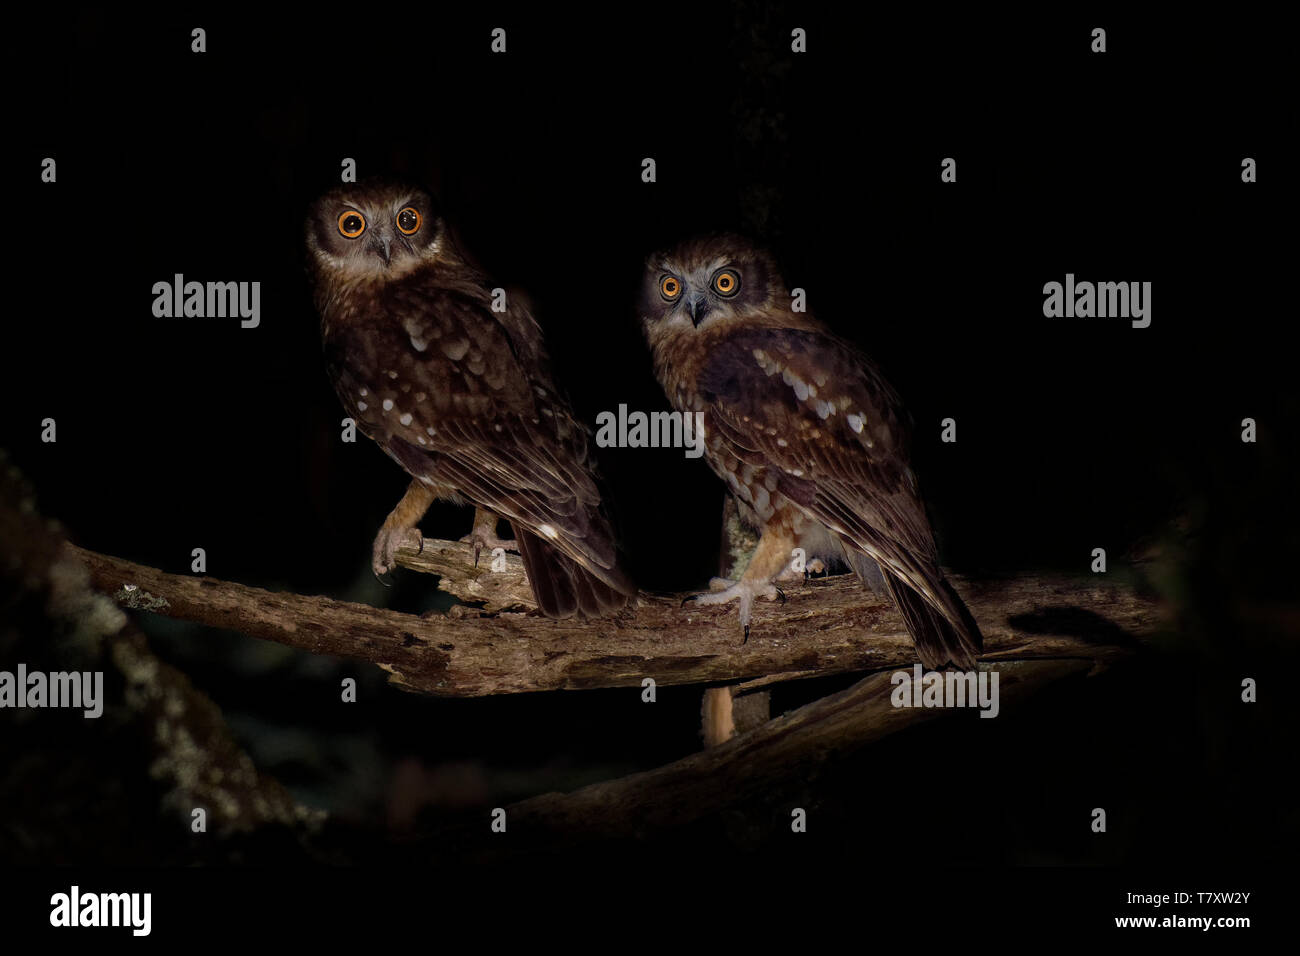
(726, 283)
(670, 287)
(408, 221)
(352, 224)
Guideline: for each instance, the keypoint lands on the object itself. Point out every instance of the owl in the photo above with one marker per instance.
(459, 395)
(810, 439)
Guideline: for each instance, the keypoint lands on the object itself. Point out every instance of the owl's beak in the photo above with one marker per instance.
(699, 308)
(379, 245)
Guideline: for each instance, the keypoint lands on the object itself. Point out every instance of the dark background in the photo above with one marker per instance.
(176, 433)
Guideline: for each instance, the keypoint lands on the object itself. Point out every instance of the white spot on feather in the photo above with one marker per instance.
(388, 404)
(794, 381)
(405, 419)
(419, 337)
(547, 530)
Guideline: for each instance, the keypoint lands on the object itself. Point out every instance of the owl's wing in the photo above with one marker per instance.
(460, 401)
(813, 409)
(807, 405)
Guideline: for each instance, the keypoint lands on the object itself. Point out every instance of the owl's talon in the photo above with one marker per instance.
(489, 543)
(743, 591)
(387, 542)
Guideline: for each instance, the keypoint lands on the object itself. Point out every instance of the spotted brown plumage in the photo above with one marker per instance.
(810, 438)
(460, 396)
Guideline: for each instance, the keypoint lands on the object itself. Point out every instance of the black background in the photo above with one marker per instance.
(183, 433)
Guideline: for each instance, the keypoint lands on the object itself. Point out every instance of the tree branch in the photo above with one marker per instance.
(750, 765)
(826, 627)
(159, 735)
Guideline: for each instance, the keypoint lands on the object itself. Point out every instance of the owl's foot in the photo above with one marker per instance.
(488, 543)
(484, 535)
(722, 591)
(388, 541)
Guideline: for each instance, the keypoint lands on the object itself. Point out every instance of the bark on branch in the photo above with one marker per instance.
(826, 626)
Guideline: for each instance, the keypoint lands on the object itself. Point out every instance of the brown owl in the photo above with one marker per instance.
(458, 394)
(809, 437)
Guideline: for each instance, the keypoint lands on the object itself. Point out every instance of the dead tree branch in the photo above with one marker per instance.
(826, 627)
(752, 764)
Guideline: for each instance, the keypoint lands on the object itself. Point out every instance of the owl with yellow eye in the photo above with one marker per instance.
(459, 395)
(809, 437)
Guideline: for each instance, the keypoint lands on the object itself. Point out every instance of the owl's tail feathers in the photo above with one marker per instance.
(562, 586)
(950, 634)
(941, 625)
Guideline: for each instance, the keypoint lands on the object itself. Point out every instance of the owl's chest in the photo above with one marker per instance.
(381, 382)
(385, 405)
(749, 478)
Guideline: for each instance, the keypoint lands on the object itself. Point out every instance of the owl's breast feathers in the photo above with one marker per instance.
(463, 399)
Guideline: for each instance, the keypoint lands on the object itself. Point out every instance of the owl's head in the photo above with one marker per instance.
(374, 229)
(709, 282)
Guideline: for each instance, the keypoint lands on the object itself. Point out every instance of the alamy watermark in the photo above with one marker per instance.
(211, 300)
(75, 908)
(919, 688)
(654, 430)
(1101, 300)
(78, 690)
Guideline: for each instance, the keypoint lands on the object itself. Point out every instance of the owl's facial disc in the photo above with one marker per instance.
(394, 233)
(375, 232)
(704, 295)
